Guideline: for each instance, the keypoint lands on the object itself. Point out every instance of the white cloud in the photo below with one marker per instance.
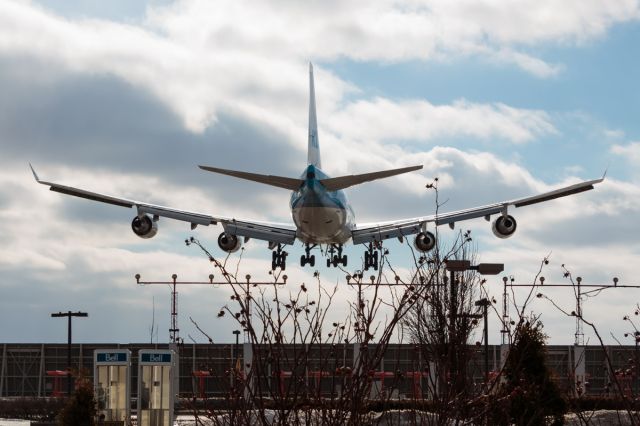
(202, 57)
(531, 64)
(382, 119)
(630, 151)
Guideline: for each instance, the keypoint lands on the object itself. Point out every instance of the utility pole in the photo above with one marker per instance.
(69, 314)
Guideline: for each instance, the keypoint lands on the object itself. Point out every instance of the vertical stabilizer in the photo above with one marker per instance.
(313, 154)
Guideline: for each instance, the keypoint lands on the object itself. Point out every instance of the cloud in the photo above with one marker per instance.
(630, 151)
(201, 58)
(382, 119)
(528, 63)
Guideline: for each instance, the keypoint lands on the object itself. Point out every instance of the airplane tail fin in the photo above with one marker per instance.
(278, 181)
(342, 182)
(313, 152)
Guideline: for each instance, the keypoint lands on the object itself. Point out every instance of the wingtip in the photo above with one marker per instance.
(35, 175)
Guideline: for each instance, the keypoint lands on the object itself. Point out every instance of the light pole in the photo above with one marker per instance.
(235, 357)
(69, 314)
(485, 303)
(236, 350)
(462, 265)
(465, 265)
(636, 339)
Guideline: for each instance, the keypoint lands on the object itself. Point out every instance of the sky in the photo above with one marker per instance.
(497, 99)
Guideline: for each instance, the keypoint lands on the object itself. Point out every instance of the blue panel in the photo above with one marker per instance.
(155, 358)
(107, 357)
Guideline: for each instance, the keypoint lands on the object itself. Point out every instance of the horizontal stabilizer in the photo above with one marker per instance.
(279, 181)
(342, 182)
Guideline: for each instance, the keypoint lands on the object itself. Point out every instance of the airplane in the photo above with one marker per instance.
(320, 211)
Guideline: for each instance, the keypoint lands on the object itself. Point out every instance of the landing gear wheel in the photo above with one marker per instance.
(308, 258)
(279, 258)
(336, 257)
(371, 258)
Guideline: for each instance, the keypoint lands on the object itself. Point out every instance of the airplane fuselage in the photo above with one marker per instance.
(320, 216)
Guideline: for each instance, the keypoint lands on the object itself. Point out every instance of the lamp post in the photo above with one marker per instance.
(636, 339)
(637, 361)
(235, 356)
(69, 314)
(236, 350)
(484, 303)
(461, 265)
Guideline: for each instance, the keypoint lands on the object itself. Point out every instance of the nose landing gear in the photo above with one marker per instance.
(335, 256)
(308, 257)
(279, 258)
(371, 258)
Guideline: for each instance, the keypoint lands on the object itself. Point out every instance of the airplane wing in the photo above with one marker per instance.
(365, 233)
(342, 182)
(271, 232)
(278, 181)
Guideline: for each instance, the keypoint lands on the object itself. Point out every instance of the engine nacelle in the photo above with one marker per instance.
(144, 227)
(424, 241)
(229, 243)
(504, 226)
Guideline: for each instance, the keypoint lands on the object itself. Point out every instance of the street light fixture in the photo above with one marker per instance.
(488, 268)
(454, 265)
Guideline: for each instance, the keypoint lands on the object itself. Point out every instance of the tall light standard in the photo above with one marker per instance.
(462, 265)
(636, 339)
(236, 357)
(484, 303)
(69, 314)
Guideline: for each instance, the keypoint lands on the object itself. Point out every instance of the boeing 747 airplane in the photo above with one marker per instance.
(320, 211)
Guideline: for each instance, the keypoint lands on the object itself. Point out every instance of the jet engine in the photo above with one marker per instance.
(229, 243)
(144, 227)
(424, 241)
(504, 226)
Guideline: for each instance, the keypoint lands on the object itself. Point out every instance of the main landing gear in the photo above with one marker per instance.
(335, 256)
(307, 257)
(371, 258)
(279, 258)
